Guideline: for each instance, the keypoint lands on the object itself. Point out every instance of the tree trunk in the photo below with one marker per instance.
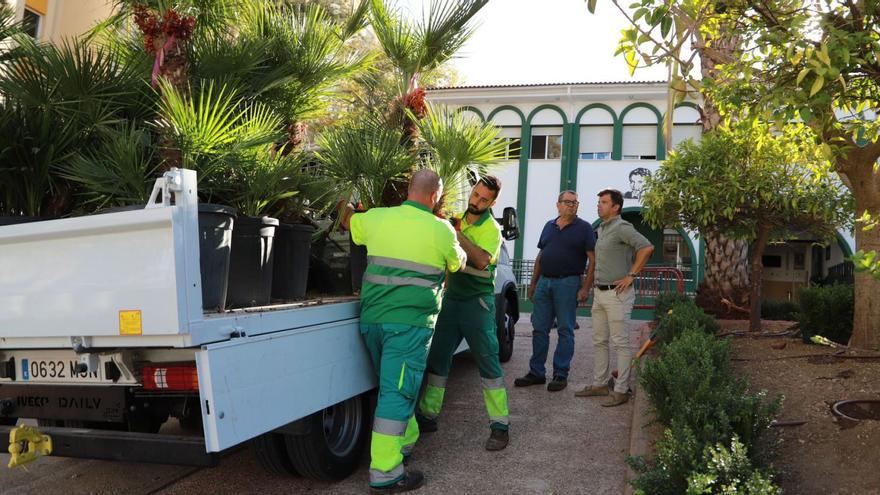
(727, 275)
(757, 278)
(727, 260)
(865, 185)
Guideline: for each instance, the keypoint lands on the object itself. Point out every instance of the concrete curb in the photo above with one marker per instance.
(641, 438)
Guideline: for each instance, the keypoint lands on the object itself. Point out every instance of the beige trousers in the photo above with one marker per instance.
(611, 313)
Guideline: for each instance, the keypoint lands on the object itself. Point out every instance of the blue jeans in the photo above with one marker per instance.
(554, 297)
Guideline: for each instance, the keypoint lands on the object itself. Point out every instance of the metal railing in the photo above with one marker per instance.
(651, 282)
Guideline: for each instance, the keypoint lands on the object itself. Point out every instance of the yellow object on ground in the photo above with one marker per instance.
(26, 443)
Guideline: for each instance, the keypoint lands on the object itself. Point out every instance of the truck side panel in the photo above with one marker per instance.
(114, 274)
(252, 385)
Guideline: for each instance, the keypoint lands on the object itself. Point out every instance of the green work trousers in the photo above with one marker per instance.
(398, 353)
(471, 319)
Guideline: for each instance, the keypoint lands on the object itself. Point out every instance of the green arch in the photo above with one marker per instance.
(468, 108)
(523, 172)
(661, 142)
(596, 105)
(547, 106)
(844, 246)
(570, 180)
(522, 118)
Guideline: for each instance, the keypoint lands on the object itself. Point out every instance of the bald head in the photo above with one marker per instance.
(425, 187)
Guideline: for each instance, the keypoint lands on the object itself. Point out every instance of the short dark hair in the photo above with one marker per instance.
(616, 196)
(567, 191)
(492, 183)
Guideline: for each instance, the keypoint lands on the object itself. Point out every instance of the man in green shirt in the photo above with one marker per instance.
(409, 251)
(469, 312)
(613, 296)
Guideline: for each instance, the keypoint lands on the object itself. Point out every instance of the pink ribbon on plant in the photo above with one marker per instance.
(160, 59)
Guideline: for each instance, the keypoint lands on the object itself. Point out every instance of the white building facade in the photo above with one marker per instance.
(590, 136)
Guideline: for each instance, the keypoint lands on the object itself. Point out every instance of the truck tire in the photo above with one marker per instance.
(505, 323)
(332, 447)
(271, 452)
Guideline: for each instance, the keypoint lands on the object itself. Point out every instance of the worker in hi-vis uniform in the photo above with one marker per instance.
(409, 251)
(469, 312)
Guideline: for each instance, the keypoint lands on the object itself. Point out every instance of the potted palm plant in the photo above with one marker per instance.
(365, 159)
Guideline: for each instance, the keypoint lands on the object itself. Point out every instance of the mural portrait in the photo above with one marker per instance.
(637, 178)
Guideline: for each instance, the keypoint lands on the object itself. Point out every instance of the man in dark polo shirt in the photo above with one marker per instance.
(558, 283)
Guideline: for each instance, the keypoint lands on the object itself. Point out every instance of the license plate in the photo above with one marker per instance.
(54, 369)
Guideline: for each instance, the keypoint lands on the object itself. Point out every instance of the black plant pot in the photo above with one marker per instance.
(358, 264)
(330, 269)
(293, 248)
(215, 246)
(250, 266)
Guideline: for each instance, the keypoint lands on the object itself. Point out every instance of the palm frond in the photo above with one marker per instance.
(362, 158)
(458, 147)
(200, 124)
(118, 172)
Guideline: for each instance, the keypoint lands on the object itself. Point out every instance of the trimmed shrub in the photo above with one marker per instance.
(677, 455)
(683, 315)
(827, 311)
(665, 301)
(730, 472)
(779, 310)
(692, 383)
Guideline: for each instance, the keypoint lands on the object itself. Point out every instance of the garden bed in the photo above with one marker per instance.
(825, 455)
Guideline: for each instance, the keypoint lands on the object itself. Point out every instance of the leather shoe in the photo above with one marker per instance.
(497, 440)
(615, 399)
(528, 380)
(557, 384)
(413, 480)
(592, 391)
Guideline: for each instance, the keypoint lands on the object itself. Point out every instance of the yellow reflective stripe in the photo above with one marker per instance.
(476, 273)
(403, 264)
(496, 404)
(402, 372)
(402, 281)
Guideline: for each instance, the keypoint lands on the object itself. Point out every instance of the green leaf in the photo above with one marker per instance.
(817, 85)
(822, 54)
(591, 6)
(631, 61)
(801, 75)
(797, 57)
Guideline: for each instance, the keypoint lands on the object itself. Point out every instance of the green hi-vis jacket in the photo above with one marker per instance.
(469, 282)
(409, 251)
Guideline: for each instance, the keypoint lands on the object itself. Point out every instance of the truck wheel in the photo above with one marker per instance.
(331, 450)
(505, 325)
(271, 452)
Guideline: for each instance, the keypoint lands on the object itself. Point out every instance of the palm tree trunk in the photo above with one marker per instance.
(727, 260)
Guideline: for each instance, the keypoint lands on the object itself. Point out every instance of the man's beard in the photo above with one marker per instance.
(473, 210)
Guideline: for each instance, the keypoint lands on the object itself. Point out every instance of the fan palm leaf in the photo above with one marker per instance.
(427, 44)
(118, 172)
(459, 148)
(362, 158)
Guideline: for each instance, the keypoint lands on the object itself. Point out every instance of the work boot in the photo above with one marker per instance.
(497, 440)
(426, 424)
(616, 399)
(592, 391)
(558, 383)
(413, 480)
(528, 380)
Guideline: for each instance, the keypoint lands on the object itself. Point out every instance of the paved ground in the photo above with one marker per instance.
(559, 444)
